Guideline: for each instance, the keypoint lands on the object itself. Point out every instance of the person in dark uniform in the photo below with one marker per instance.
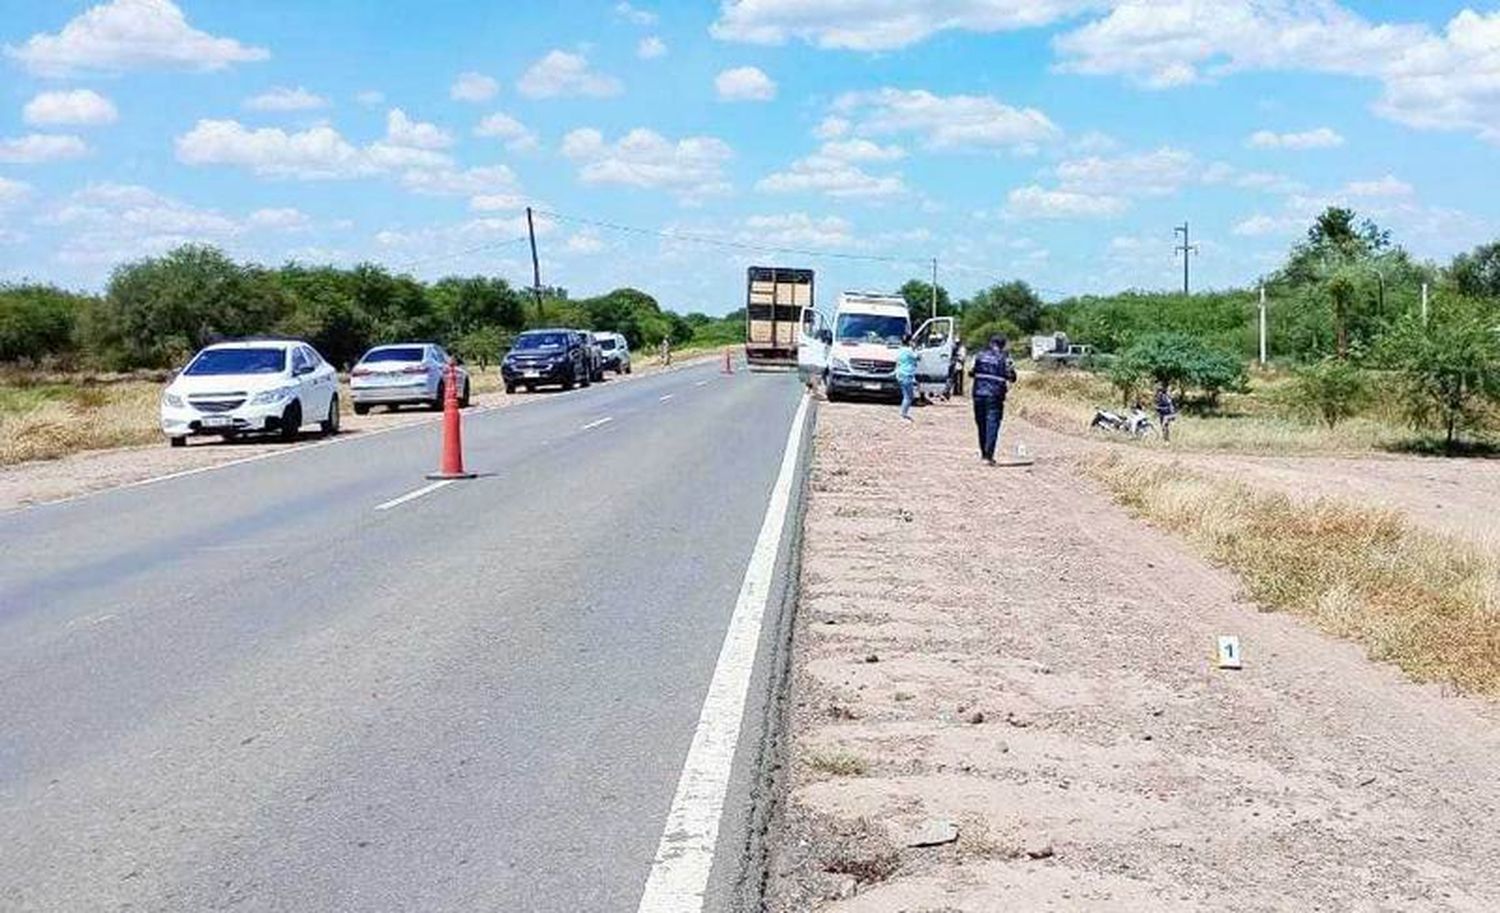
(993, 374)
(1166, 411)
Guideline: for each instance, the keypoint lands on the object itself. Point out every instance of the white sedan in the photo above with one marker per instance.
(255, 386)
(403, 374)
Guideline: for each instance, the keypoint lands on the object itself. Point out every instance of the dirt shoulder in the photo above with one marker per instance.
(24, 484)
(1007, 651)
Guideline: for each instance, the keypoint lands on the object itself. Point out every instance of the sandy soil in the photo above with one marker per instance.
(52, 480)
(1007, 651)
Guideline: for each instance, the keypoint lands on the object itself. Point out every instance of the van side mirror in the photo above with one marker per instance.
(825, 337)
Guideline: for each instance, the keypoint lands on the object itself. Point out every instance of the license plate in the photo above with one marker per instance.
(872, 386)
(531, 374)
(218, 421)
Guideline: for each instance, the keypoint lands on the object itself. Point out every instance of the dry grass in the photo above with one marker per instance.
(1255, 422)
(838, 763)
(1429, 603)
(47, 420)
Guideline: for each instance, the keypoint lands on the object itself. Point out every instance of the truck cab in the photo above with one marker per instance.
(856, 355)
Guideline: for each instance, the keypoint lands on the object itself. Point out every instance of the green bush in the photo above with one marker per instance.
(1181, 362)
(1449, 365)
(1330, 391)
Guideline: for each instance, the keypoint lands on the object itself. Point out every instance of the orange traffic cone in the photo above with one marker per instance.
(452, 466)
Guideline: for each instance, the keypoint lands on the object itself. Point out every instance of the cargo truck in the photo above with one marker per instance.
(775, 298)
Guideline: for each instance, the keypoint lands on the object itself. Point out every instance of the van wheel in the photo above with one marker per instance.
(291, 421)
(177, 441)
(330, 425)
(361, 409)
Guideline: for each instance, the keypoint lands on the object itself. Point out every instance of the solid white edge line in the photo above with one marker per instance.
(684, 857)
(413, 495)
(596, 423)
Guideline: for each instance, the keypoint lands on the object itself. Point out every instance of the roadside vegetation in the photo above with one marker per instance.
(1428, 603)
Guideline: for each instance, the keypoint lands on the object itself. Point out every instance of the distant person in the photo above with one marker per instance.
(1166, 411)
(993, 374)
(956, 370)
(665, 351)
(906, 374)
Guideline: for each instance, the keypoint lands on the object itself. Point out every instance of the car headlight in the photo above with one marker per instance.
(267, 397)
(838, 364)
(172, 399)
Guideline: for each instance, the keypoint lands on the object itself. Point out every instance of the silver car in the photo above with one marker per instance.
(615, 351)
(400, 374)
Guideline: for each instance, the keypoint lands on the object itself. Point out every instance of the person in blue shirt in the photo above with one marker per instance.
(993, 374)
(906, 374)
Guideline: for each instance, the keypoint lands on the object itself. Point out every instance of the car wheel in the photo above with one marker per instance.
(627, 368)
(361, 409)
(330, 425)
(463, 399)
(291, 421)
(509, 389)
(588, 377)
(177, 441)
(437, 404)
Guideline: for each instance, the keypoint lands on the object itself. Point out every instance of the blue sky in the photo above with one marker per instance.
(1057, 141)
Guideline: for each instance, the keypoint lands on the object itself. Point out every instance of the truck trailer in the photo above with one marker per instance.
(775, 298)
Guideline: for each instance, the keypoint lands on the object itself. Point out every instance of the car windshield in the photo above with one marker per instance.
(532, 341)
(238, 361)
(394, 353)
(855, 328)
(606, 343)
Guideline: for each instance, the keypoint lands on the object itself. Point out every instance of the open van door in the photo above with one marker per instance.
(934, 342)
(813, 342)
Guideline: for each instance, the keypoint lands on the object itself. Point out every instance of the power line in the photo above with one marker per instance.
(488, 245)
(722, 242)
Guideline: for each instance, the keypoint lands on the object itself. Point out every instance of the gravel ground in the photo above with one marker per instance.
(53, 480)
(1006, 651)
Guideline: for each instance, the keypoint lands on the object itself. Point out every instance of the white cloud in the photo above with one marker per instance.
(285, 99)
(13, 192)
(633, 14)
(953, 122)
(798, 229)
(873, 25)
(475, 87)
(130, 35)
(280, 219)
(485, 179)
(690, 168)
(562, 74)
(39, 148)
(1264, 181)
(371, 98)
(1449, 82)
(744, 84)
(504, 127)
(1320, 138)
(497, 202)
(831, 128)
(1039, 203)
(401, 130)
(650, 48)
(1388, 186)
(861, 150)
(316, 153)
(833, 177)
(80, 108)
(584, 242)
(109, 223)
(1260, 225)
(1150, 174)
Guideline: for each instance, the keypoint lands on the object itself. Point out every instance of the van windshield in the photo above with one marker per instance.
(856, 328)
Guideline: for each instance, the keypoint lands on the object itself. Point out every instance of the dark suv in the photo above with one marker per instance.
(541, 357)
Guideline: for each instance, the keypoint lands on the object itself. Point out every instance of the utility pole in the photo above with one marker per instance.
(1262, 326)
(1187, 249)
(934, 287)
(536, 269)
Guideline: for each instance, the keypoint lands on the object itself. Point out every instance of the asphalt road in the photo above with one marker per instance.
(249, 688)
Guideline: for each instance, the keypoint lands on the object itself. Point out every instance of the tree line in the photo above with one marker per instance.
(156, 312)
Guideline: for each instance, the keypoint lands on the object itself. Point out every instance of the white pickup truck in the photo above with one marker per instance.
(857, 355)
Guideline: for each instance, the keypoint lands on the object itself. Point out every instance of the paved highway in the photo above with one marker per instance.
(305, 683)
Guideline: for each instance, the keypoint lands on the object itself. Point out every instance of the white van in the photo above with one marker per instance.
(857, 355)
